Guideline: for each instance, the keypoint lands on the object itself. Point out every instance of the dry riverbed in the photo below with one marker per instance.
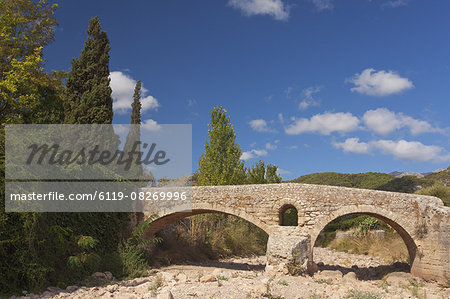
(341, 275)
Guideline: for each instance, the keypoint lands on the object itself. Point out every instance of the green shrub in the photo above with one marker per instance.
(133, 252)
(438, 190)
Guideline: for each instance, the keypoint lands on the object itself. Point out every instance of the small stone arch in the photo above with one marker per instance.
(390, 218)
(282, 214)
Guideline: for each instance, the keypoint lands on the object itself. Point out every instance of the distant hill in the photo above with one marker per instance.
(396, 181)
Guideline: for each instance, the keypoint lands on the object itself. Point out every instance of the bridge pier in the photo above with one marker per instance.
(287, 250)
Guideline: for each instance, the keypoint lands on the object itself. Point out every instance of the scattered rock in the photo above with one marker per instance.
(54, 289)
(112, 288)
(165, 295)
(398, 278)
(99, 275)
(260, 289)
(109, 275)
(181, 277)
(350, 277)
(327, 274)
(208, 278)
(72, 288)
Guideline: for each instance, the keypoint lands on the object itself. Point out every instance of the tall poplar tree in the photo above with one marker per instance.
(262, 174)
(220, 164)
(88, 99)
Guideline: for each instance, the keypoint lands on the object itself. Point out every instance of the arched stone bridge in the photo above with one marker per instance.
(422, 221)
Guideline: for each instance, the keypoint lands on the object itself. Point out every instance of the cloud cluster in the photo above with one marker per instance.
(122, 87)
(150, 125)
(383, 121)
(395, 3)
(381, 83)
(274, 8)
(308, 98)
(323, 4)
(401, 149)
(324, 124)
(260, 125)
(253, 154)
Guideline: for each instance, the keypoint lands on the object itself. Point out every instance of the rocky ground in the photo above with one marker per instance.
(341, 275)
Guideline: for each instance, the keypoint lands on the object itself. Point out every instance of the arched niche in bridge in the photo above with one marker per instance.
(402, 232)
(288, 215)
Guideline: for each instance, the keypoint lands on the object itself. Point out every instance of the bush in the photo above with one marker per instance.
(133, 252)
(438, 190)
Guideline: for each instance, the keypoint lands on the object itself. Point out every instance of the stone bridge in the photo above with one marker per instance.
(422, 221)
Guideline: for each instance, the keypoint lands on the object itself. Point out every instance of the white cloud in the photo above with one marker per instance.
(274, 8)
(324, 124)
(412, 150)
(384, 121)
(308, 97)
(253, 154)
(395, 3)
(122, 87)
(292, 147)
(381, 83)
(260, 125)
(150, 125)
(270, 146)
(352, 145)
(402, 149)
(323, 4)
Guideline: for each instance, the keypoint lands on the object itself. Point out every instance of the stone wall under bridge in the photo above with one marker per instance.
(422, 221)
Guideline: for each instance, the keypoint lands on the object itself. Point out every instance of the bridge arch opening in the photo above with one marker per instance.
(210, 234)
(364, 233)
(288, 215)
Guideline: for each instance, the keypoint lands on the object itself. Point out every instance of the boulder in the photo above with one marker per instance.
(72, 288)
(208, 278)
(350, 277)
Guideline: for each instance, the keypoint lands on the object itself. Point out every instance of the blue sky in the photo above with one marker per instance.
(310, 85)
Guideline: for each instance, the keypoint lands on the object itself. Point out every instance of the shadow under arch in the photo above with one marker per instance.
(388, 217)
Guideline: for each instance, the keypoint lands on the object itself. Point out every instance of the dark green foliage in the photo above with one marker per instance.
(133, 254)
(88, 98)
(220, 164)
(290, 217)
(134, 133)
(438, 190)
(261, 174)
(369, 180)
(406, 184)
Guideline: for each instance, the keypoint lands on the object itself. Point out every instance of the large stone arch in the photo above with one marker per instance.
(396, 221)
(169, 218)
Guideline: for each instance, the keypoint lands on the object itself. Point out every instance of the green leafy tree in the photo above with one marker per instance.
(25, 28)
(220, 164)
(262, 174)
(88, 98)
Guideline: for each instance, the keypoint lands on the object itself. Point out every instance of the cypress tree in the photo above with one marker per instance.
(134, 133)
(220, 164)
(88, 99)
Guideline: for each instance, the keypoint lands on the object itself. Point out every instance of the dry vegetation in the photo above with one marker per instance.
(390, 249)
